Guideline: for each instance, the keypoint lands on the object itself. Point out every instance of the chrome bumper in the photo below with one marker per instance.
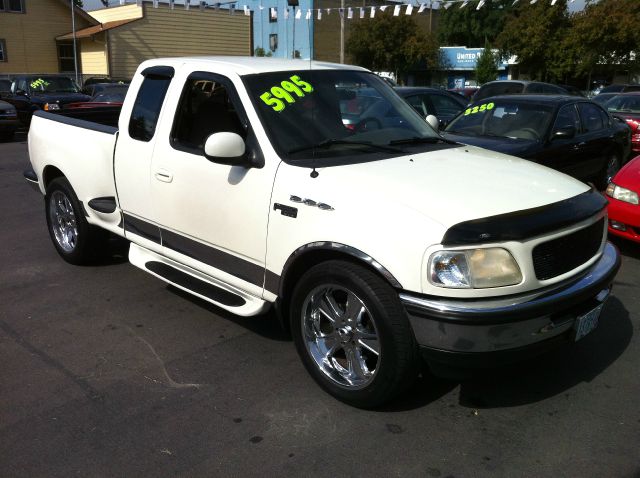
(515, 322)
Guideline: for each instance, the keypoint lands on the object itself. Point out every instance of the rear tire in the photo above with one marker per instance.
(77, 241)
(353, 334)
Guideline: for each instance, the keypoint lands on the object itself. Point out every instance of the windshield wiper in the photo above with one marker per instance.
(418, 139)
(327, 143)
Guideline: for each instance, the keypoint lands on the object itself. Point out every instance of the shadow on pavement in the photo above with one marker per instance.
(556, 372)
(265, 325)
(627, 248)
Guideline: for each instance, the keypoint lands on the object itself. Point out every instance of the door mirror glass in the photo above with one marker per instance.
(433, 122)
(226, 148)
(564, 133)
(21, 93)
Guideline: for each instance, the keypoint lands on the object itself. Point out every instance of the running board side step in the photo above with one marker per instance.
(201, 285)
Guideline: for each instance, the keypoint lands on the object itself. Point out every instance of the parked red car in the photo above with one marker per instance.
(624, 210)
(627, 107)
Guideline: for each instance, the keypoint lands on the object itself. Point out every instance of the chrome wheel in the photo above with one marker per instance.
(340, 335)
(63, 221)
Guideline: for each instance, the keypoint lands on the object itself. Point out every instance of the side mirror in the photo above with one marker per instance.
(21, 93)
(433, 122)
(226, 148)
(564, 133)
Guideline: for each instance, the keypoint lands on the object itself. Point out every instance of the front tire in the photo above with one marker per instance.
(77, 241)
(609, 170)
(352, 334)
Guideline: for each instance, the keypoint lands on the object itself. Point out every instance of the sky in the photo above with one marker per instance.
(94, 4)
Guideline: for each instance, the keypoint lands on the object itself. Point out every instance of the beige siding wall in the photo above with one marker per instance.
(112, 14)
(164, 33)
(31, 37)
(94, 55)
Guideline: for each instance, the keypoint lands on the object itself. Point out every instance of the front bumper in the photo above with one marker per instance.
(462, 332)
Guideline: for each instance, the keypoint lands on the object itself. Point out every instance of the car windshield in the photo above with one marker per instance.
(331, 113)
(53, 84)
(624, 104)
(507, 118)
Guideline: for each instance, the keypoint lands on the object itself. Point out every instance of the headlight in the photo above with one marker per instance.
(51, 106)
(474, 268)
(622, 194)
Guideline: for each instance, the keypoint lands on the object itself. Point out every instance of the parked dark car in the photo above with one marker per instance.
(44, 92)
(361, 108)
(467, 92)
(443, 104)
(93, 85)
(619, 88)
(517, 87)
(5, 86)
(627, 107)
(572, 90)
(567, 133)
(8, 121)
(601, 99)
(104, 94)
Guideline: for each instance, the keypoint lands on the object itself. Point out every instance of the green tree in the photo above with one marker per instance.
(604, 34)
(535, 35)
(470, 27)
(395, 44)
(487, 66)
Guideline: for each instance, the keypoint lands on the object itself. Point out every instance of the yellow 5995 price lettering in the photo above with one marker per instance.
(479, 109)
(278, 97)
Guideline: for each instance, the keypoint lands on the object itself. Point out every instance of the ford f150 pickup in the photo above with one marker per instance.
(237, 180)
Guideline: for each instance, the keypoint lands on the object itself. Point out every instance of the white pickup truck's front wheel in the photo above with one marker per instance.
(74, 238)
(352, 333)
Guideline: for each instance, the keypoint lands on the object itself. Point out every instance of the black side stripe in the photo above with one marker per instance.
(236, 266)
(141, 228)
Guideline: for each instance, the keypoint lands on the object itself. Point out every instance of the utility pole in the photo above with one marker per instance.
(342, 32)
(73, 29)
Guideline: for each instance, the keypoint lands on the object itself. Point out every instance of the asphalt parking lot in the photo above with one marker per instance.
(106, 371)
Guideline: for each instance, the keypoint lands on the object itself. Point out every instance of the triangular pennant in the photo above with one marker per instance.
(409, 10)
(373, 12)
(350, 13)
(328, 11)
(481, 3)
(247, 12)
(361, 12)
(319, 14)
(422, 7)
(308, 15)
(187, 4)
(298, 14)
(464, 4)
(155, 3)
(383, 8)
(396, 10)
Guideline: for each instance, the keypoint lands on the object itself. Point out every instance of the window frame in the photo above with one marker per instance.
(234, 97)
(578, 126)
(5, 8)
(3, 50)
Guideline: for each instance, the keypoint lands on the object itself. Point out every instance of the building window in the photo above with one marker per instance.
(273, 14)
(273, 41)
(65, 58)
(3, 50)
(14, 6)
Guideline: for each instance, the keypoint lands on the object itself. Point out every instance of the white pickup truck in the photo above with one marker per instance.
(247, 183)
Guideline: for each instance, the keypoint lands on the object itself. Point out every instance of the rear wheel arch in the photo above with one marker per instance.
(49, 174)
(310, 255)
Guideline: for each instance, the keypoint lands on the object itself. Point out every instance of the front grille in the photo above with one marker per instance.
(553, 258)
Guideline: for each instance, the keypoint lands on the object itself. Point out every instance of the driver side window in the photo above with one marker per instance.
(205, 108)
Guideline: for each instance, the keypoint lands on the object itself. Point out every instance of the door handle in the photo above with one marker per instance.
(579, 145)
(163, 175)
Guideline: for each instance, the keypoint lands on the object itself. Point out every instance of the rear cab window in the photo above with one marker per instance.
(146, 109)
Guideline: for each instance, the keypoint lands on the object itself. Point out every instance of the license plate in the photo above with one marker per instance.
(587, 322)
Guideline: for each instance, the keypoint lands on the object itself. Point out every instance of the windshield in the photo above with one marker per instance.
(329, 113)
(53, 84)
(505, 118)
(624, 104)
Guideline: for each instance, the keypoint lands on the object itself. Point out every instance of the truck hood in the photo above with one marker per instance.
(448, 186)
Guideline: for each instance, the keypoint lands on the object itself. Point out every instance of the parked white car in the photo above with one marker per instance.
(236, 180)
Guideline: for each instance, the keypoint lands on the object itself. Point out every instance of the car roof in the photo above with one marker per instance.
(547, 99)
(247, 65)
(625, 93)
(420, 89)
